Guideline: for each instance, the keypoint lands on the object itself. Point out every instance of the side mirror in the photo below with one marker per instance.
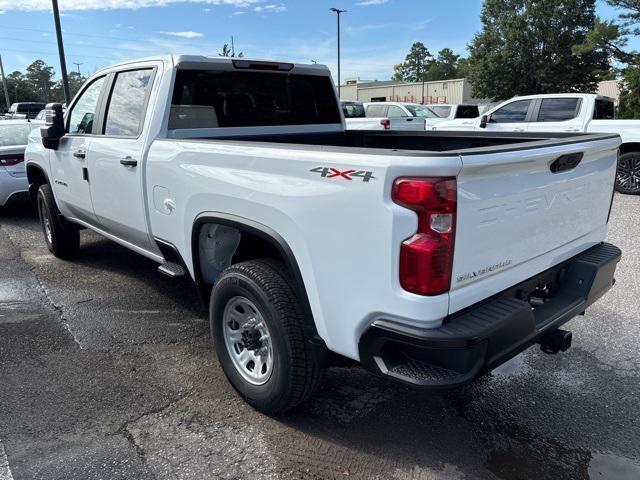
(53, 130)
(483, 121)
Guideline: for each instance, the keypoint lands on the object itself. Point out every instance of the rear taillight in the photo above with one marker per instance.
(426, 259)
(386, 123)
(11, 160)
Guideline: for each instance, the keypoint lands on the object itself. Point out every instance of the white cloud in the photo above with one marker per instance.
(372, 2)
(31, 5)
(239, 12)
(187, 34)
(270, 8)
(2, 12)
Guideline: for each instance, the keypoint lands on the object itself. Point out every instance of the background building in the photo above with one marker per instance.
(444, 91)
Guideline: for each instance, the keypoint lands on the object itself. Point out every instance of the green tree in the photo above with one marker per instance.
(414, 67)
(39, 75)
(629, 106)
(19, 88)
(526, 47)
(606, 42)
(444, 66)
(76, 81)
(630, 15)
(228, 51)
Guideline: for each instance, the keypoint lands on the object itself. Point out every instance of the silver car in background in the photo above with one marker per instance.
(13, 141)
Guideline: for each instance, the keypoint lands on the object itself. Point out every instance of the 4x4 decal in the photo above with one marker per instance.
(330, 172)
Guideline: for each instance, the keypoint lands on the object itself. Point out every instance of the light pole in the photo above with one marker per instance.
(78, 65)
(4, 85)
(338, 12)
(63, 63)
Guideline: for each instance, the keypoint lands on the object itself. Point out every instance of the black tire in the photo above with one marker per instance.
(64, 238)
(295, 374)
(628, 176)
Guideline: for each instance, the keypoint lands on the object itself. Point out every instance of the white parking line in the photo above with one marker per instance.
(5, 471)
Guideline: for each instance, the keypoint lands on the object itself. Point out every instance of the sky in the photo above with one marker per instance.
(376, 34)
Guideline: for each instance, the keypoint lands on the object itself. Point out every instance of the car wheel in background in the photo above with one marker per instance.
(628, 176)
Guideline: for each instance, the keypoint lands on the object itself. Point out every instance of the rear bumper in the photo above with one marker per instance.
(483, 336)
(10, 186)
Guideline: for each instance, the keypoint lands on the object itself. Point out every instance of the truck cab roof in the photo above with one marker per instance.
(199, 61)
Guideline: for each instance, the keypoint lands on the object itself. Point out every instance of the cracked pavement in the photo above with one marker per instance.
(106, 372)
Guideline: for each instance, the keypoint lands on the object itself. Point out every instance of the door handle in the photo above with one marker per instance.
(128, 162)
(571, 129)
(80, 154)
(518, 130)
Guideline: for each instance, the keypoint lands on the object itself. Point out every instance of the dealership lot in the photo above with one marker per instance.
(106, 372)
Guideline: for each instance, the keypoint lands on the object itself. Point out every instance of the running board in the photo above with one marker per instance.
(171, 270)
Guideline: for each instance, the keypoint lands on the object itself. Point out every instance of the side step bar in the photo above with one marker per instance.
(171, 270)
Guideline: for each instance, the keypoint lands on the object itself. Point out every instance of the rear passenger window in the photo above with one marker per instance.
(514, 112)
(376, 110)
(395, 112)
(558, 109)
(125, 113)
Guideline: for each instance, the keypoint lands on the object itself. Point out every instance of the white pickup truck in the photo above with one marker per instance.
(455, 111)
(566, 112)
(356, 119)
(428, 257)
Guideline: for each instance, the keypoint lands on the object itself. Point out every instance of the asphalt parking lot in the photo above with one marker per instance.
(106, 372)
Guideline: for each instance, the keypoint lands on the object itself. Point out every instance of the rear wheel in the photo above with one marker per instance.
(256, 324)
(62, 238)
(628, 177)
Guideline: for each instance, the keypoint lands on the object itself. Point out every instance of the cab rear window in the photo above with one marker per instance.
(213, 98)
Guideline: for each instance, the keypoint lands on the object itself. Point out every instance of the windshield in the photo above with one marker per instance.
(421, 111)
(442, 111)
(353, 110)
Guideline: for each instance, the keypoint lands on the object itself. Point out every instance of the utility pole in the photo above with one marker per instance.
(233, 48)
(4, 85)
(63, 63)
(338, 12)
(78, 65)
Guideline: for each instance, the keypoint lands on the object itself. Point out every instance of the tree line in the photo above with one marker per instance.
(540, 46)
(37, 84)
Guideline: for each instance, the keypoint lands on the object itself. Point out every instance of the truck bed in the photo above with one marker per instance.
(399, 142)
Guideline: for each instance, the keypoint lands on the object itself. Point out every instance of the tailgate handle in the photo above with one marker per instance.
(566, 162)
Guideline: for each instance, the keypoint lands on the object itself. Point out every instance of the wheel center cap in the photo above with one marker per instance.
(251, 339)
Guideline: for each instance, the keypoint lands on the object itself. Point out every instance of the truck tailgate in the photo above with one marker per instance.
(408, 123)
(517, 217)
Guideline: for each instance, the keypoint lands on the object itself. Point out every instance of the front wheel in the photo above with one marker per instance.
(628, 176)
(62, 238)
(256, 323)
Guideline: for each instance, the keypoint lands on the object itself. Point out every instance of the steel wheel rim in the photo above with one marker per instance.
(629, 173)
(46, 225)
(248, 340)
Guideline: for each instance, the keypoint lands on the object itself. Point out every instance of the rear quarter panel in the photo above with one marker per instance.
(345, 234)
